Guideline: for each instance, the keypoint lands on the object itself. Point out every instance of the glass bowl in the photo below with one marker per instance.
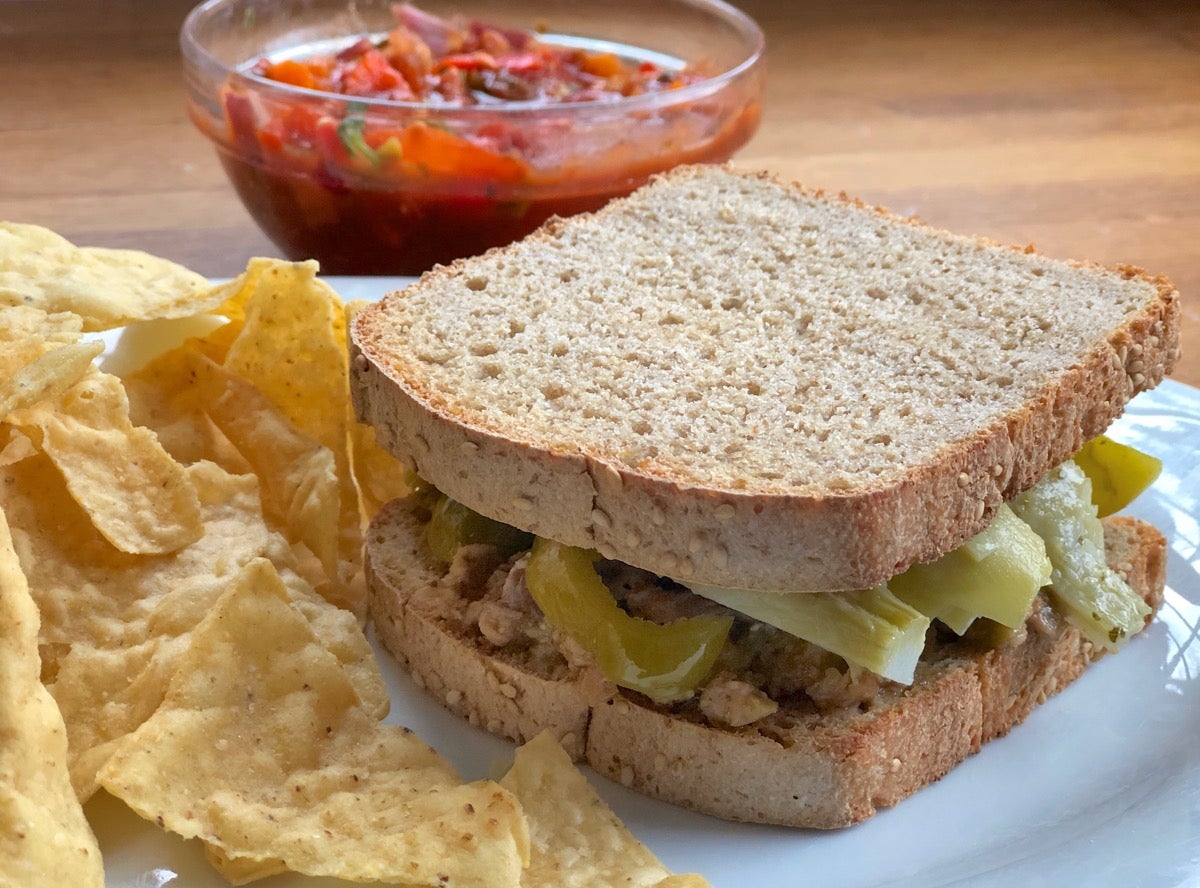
(310, 165)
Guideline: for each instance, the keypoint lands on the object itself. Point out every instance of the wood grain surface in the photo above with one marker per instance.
(1071, 125)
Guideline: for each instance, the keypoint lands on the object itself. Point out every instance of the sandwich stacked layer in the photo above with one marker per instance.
(730, 385)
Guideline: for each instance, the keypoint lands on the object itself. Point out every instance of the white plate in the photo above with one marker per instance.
(1099, 787)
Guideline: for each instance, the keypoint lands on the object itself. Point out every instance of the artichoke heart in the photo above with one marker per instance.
(871, 628)
(1082, 585)
(995, 574)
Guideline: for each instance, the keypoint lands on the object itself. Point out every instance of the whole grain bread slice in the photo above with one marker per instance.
(734, 380)
(796, 768)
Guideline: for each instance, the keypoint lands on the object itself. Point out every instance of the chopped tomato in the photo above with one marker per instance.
(296, 125)
(373, 75)
(354, 50)
(452, 84)
(330, 141)
(524, 62)
(444, 62)
(242, 124)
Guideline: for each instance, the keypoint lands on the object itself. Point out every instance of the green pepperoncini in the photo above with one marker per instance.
(452, 526)
(663, 661)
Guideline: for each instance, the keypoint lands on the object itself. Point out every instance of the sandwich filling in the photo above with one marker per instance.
(735, 657)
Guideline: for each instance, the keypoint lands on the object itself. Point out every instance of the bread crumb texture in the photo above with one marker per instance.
(727, 331)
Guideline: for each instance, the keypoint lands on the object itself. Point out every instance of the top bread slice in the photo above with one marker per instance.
(733, 380)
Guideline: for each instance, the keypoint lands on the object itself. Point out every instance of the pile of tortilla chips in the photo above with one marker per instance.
(188, 534)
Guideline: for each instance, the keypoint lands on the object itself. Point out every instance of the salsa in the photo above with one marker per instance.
(429, 59)
(441, 138)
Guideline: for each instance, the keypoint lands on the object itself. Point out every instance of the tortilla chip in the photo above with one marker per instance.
(297, 474)
(262, 749)
(242, 870)
(26, 333)
(114, 624)
(576, 841)
(44, 838)
(47, 377)
(105, 694)
(163, 397)
(202, 411)
(40, 355)
(106, 287)
(237, 292)
(378, 476)
(292, 348)
(14, 446)
(134, 493)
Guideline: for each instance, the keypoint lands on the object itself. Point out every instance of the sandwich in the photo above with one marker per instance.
(766, 502)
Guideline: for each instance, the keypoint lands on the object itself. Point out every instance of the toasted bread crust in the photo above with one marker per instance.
(802, 769)
(814, 538)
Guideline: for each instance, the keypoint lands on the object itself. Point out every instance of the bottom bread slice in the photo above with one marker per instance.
(800, 767)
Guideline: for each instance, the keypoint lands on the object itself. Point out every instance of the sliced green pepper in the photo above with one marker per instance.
(453, 526)
(1117, 471)
(664, 662)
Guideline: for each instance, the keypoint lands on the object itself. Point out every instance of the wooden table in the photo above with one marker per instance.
(1071, 125)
